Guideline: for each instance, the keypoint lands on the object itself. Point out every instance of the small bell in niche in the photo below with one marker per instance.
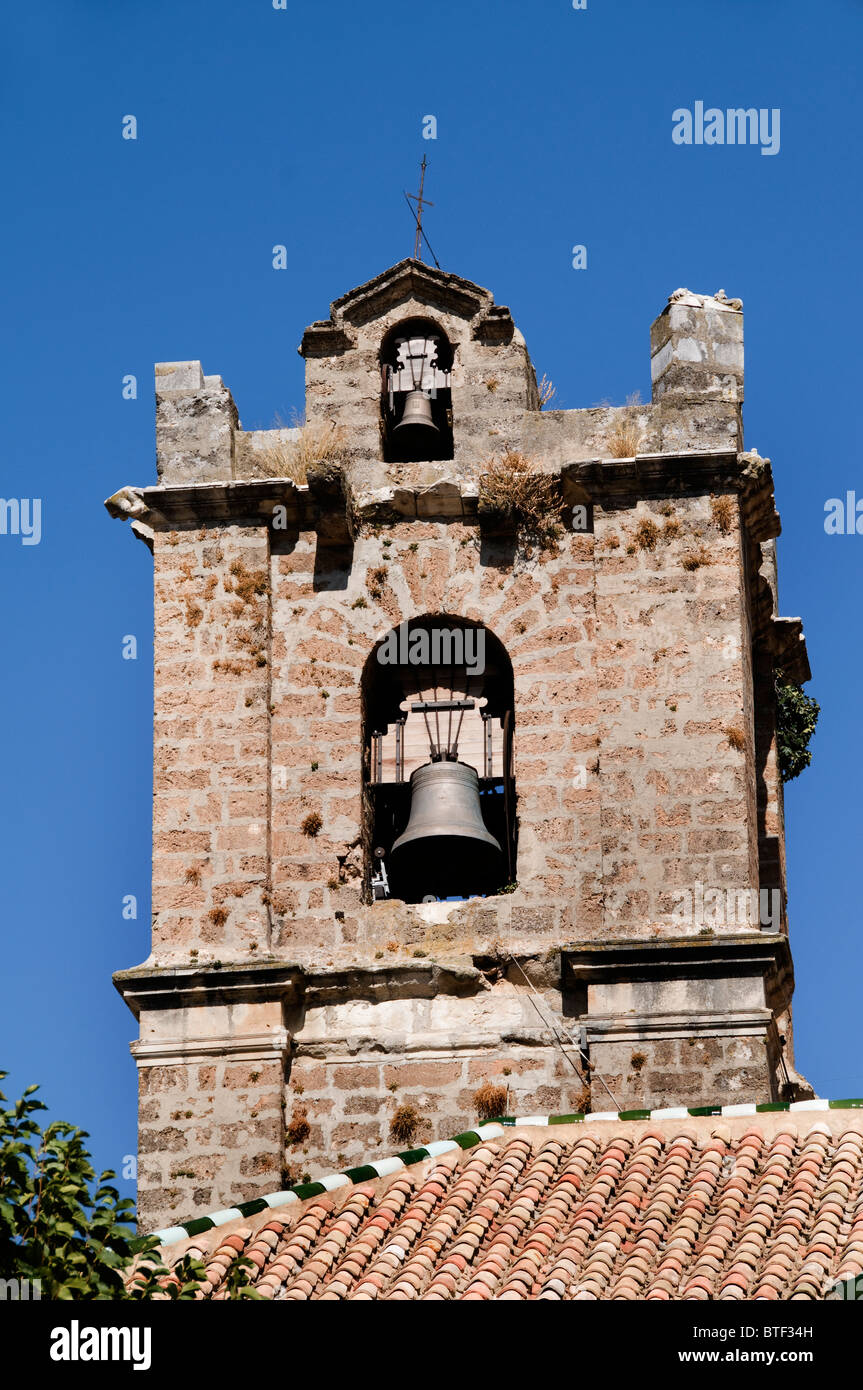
(417, 418)
(416, 361)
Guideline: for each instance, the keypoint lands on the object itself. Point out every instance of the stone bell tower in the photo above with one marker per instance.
(465, 757)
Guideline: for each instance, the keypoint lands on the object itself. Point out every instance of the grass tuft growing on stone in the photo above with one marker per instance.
(646, 534)
(490, 1100)
(695, 559)
(624, 440)
(722, 511)
(404, 1125)
(317, 442)
(298, 1129)
(512, 487)
(248, 584)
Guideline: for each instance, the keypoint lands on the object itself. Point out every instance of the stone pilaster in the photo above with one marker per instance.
(212, 1057)
(684, 1022)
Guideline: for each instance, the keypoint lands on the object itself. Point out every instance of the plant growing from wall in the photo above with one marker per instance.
(298, 1128)
(796, 718)
(404, 1124)
(695, 559)
(490, 1100)
(582, 1101)
(516, 496)
(625, 439)
(248, 584)
(646, 533)
(722, 511)
(291, 454)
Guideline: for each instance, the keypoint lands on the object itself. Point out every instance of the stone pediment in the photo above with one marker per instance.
(408, 280)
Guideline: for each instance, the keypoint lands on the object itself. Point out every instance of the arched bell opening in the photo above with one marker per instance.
(439, 791)
(416, 393)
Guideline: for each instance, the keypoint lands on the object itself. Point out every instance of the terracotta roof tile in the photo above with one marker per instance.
(673, 1210)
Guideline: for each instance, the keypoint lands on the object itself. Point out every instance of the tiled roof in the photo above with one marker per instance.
(677, 1206)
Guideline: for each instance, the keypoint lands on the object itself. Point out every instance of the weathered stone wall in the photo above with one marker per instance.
(196, 424)
(628, 674)
(689, 1071)
(674, 777)
(210, 1134)
(350, 1101)
(630, 691)
(211, 744)
(323, 636)
(696, 348)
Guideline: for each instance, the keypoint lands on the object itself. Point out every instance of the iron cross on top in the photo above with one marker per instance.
(421, 203)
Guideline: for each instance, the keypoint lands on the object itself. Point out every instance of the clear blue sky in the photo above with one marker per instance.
(303, 127)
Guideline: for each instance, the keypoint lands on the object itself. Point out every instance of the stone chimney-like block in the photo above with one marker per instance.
(195, 424)
(696, 348)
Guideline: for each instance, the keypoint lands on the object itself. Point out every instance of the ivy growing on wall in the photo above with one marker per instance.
(796, 717)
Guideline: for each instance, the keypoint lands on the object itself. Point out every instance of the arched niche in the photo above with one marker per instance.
(416, 392)
(437, 688)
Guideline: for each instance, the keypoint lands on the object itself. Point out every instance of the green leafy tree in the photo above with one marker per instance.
(58, 1223)
(184, 1279)
(796, 717)
(72, 1231)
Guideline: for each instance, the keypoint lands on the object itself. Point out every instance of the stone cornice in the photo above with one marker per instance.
(247, 1047)
(757, 498)
(695, 947)
(415, 980)
(144, 987)
(328, 492)
(789, 649)
(494, 326)
(649, 474)
(734, 954)
(236, 501)
(325, 339)
(733, 1023)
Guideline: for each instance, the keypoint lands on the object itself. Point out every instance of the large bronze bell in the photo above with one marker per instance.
(446, 850)
(417, 414)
